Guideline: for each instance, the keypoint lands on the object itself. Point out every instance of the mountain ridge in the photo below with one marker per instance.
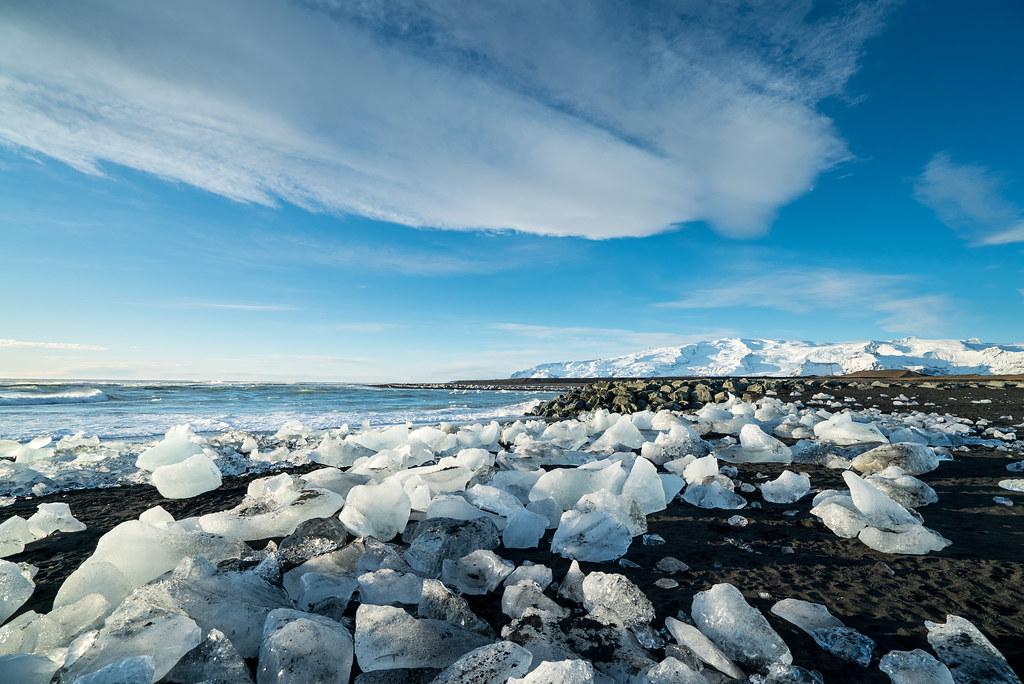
(779, 358)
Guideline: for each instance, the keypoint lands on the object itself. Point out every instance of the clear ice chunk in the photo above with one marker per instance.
(738, 628)
(912, 459)
(595, 536)
(968, 654)
(705, 649)
(491, 664)
(376, 510)
(302, 647)
(914, 667)
(479, 572)
(612, 598)
(559, 672)
(183, 480)
(789, 487)
(16, 587)
(388, 638)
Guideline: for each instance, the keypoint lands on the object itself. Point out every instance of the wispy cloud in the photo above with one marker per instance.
(63, 346)
(367, 328)
(229, 306)
(969, 198)
(577, 118)
(846, 292)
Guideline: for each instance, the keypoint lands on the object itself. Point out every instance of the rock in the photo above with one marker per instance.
(613, 599)
(914, 667)
(491, 664)
(737, 628)
(388, 638)
(969, 656)
(302, 647)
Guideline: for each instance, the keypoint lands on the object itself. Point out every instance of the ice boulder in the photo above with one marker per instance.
(914, 667)
(376, 510)
(479, 572)
(273, 507)
(53, 517)
(644, 486)
(177, 445)
(525, 596)
(698, 470)
(559, 672)
(906, 490)
(702, 647)
(14, 534)
(614, 599)
(567, 485)
(789, 487)
(138, 629)
(433, 541)
(840, 516)
(16, 586)
(969, 656)
(390, 587)
(133, 669)
(714, 492)
(737, 628)
(388, 638)
(756, 446)
(878, 509)
(671, 671)
(185, 479)
(912, 459)
(622, 434)
(916, 540)
(593, 536)
(491, 664)
(214, 661)
(524, 530)
(843, 430)
(827, 630)
(25, 668)
(302, 647)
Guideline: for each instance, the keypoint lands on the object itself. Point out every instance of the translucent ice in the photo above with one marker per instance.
(644, 486)
(613, 598)
(697, 470)
(841, 516)
(524, 529)
(388, 638)
(594, 536)
(843, 430)
(178, 444)
(916, 540)
(914, 667)
(559, 672)
(705, 649)
(272, 507)
(913, 459)
(567, 485)
(139, 629)
(879, 510)
(737, 628)
(215, 660)
(969, 656)
(27, 669)
(827, 630)
(14, 534)
(376, 510)
(139, 668)
(53, 517)
(434, 540)
(756, 446)
(491, 664)
(302, 647)
(479, 572)
(622, 434)
(671, 671)
(390, 587)
(16, 586)
(185, 479)
(518, 598)
(714, 492)
(789, 487)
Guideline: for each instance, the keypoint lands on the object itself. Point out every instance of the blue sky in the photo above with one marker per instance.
(401, 191)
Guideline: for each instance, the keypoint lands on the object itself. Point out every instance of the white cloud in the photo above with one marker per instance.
(582, 118)
(230, 306)
(62, 346)
(969, 197)
(844, 292)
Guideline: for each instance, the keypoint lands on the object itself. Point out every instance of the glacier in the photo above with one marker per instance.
(786, 358)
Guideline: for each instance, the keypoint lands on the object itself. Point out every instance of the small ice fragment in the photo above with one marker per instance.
(666, 583)
(530, 572)
(53, 517)
(1012, 485)
(738, 521)
(1002, 501)
(671, 565)
(177, 445)
(644, 486)
(914, 667)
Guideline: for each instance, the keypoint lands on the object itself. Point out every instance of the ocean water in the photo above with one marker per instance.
(141, 410)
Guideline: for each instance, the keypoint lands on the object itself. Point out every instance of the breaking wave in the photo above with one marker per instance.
(84, 396)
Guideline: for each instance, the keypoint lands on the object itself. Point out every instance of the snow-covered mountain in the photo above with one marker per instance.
(741, 356)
